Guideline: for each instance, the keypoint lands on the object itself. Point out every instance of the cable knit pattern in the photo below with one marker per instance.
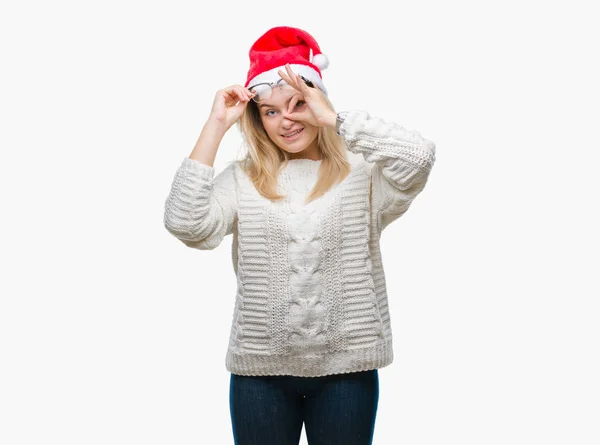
(311, 295)
(306, 310)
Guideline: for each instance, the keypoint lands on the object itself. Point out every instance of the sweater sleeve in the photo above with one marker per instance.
(201, 209)
(402, 162)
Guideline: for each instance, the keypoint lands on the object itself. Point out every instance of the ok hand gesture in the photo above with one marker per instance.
(317, 111)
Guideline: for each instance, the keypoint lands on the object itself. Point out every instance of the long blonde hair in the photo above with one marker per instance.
(264, 160)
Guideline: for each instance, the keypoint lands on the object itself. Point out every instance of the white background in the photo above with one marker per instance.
(113, 332)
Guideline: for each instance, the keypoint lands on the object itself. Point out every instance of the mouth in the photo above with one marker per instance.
(294, 135)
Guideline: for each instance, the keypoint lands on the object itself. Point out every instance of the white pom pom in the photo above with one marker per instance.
(321, 61)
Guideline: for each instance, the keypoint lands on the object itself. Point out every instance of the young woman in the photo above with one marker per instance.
(306, 208)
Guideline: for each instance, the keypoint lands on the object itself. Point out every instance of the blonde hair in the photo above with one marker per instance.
(264, 159)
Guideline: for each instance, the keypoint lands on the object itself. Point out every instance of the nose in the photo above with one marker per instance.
(287, 123)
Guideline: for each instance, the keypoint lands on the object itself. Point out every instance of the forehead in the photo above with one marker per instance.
(279, 97)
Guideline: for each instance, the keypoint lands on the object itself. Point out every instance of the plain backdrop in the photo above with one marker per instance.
(114, 332)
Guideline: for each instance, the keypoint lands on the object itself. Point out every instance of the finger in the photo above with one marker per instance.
(241, 93)
(301, 83)
(235, 95)
(293, 103)
(244, 94)
(305, 89)
(293, 114)
(291, 73)
(250, 94)
(233, 91)
(298, 116)
(286, 78)
(290, 77)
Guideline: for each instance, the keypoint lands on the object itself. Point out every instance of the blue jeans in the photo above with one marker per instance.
(337, 409)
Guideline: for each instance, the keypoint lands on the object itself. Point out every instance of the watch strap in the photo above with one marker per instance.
(339, 120)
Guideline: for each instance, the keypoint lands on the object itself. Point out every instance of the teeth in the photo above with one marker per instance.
(292, 134)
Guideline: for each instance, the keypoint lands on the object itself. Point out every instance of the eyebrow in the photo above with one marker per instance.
(269, 105)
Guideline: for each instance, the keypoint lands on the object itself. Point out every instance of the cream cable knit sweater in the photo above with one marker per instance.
(311, 294)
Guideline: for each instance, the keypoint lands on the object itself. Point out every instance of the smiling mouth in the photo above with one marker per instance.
(296, 133)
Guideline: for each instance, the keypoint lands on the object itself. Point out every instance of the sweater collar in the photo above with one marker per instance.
(307, 165)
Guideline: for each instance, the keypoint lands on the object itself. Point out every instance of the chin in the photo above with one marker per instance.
(293, 149)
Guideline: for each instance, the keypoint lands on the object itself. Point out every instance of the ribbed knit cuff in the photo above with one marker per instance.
(379, 139)
(198, 169)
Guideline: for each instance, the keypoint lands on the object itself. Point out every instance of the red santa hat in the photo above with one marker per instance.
(282, 45)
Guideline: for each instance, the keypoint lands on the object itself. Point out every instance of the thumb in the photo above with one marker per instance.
(241, 105)
(238, 110)
(296, 115)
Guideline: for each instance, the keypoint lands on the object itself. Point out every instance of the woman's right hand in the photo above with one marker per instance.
(224, 108)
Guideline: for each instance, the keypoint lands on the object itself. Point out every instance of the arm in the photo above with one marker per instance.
(200, 210)
(403, 160)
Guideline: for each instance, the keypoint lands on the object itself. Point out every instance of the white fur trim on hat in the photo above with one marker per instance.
(273, 76)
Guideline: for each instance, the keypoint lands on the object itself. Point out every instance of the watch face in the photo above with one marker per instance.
(338, 122)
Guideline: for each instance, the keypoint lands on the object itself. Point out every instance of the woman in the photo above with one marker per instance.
(306, 208)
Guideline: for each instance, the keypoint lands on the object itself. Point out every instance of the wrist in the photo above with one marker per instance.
(330, 120)
(215, 125)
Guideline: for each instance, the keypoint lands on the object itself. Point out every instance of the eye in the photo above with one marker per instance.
(298, 104)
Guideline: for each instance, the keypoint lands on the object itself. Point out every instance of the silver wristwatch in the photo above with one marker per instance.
(339, 120)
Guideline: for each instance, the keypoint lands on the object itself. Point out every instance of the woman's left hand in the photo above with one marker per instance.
(317, 111)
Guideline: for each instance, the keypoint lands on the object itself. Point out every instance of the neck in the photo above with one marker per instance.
(313, 153)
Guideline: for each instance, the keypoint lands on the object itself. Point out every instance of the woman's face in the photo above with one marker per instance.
(273, 113)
